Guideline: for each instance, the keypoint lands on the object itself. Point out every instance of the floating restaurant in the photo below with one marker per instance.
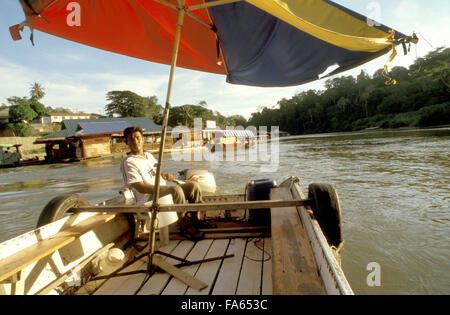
(88, 138)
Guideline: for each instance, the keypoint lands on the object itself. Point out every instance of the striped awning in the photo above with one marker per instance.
(236, 133)
(252, 42)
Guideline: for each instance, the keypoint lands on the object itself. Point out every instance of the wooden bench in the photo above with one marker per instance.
(294, 269)
(11, 267)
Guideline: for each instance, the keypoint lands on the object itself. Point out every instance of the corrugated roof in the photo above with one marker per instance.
(57, 135)
(143, 122)
(101, 127)
(71, 126)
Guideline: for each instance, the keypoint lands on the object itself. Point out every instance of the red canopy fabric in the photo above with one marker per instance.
(146, 30)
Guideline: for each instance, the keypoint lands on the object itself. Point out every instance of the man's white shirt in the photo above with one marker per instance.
(137, 168)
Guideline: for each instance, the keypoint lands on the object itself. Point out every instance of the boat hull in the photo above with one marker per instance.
(71, 267)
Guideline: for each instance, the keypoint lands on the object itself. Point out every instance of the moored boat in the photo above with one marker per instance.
(13, 158)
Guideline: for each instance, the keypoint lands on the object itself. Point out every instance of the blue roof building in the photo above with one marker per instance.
(85, 138)
(80, 127)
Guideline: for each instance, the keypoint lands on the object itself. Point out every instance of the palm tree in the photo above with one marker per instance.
(187, 110)
(36, 92)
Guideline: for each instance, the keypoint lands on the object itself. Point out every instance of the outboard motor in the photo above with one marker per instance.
(259, 189)
(204, 178)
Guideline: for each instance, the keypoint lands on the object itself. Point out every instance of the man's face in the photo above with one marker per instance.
(136, 142)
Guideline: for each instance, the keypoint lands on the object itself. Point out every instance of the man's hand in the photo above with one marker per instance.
(168, 177)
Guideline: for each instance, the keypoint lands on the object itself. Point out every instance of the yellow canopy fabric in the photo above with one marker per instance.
(328, 23)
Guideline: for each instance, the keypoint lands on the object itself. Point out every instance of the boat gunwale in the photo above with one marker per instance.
(318, 239)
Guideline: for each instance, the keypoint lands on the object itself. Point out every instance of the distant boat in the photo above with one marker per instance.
(10, 158)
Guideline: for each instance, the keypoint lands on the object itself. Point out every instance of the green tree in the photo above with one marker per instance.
(21, 129)
(39, 108)
(152, 109)
(184, 115)
(237, 120)
(20, 110)
(434, 67)
(125, 104)
(434, 115)
(36, 92)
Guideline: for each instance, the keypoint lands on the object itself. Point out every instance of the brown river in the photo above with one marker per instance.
(394, 188)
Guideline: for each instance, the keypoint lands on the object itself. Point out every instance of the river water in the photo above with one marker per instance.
(394, 188)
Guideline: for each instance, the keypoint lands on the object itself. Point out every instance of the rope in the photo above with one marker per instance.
(390, 80)
(255, 241)
(403, 41)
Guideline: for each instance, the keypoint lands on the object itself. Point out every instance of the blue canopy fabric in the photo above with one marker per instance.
(260, 49)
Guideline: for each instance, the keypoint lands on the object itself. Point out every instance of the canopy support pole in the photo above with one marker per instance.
(155, 206)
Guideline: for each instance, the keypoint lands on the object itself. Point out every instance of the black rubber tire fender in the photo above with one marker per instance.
(58, 206)
(327, 211)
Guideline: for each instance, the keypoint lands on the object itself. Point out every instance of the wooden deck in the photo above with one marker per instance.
(248, 272)
(281, 264)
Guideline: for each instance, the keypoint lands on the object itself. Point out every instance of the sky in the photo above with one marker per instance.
(78, 77)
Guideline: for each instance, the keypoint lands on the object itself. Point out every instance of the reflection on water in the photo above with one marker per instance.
(394, 188)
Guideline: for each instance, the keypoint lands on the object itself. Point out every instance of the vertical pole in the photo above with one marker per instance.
(155, 205)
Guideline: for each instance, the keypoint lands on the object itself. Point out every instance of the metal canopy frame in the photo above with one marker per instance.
(155, 207)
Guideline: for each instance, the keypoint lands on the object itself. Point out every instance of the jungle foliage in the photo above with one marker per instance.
(420, 98)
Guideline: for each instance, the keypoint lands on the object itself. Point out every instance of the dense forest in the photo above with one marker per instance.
(420, 98)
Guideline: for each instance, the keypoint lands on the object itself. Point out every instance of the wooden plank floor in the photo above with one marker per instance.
(248, 272)
(294, 266)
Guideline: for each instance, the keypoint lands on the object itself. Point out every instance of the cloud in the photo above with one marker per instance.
(16, 80)
(84, 91)
(229, 99)
(429, 21)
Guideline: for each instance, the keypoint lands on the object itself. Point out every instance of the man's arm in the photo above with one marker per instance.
(145, 188)
(168, 177)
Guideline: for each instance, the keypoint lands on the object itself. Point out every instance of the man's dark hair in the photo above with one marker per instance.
(130, 130)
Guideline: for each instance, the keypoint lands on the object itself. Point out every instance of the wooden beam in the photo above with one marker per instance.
(179, 274)
(61, 279)
(238, 205)
(18, 284)
(210, 4)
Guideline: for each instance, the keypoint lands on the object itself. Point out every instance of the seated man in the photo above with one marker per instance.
(139, 174)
